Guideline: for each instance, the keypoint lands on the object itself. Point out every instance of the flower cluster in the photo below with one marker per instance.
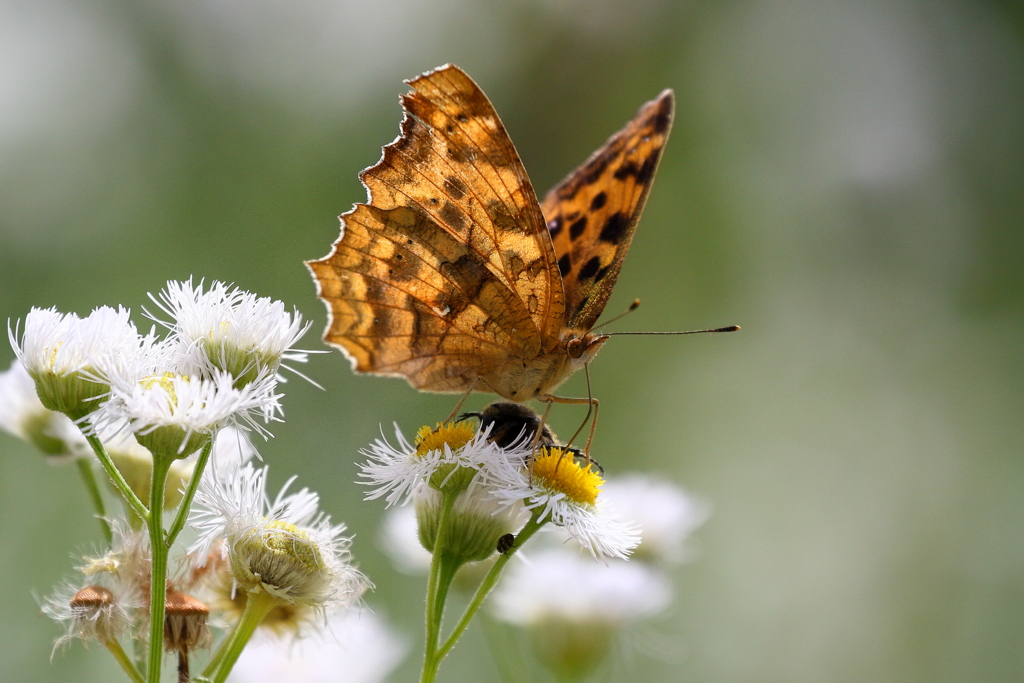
(572, 607)
(496, 486)
(217, 366)
(169, 417)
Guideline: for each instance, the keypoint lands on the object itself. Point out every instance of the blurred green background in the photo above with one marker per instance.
(844, 180)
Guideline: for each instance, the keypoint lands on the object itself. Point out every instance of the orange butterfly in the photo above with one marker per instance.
(454, 276)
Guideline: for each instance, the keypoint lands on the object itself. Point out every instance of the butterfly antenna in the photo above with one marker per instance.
(632, 307)
(730, 328)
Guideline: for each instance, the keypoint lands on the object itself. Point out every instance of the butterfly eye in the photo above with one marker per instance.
(574, 347)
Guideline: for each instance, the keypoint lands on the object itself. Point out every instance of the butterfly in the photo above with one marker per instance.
(455, 277)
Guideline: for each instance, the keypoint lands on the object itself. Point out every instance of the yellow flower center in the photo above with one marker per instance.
(558, 470)
(53, 354)
(454, 434)
(165, 383)
(292, 541)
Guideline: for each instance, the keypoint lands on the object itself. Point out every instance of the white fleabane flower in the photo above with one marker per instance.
(558, 487)
(358, 647)
(285, 548)
(667, 514)
(70, 357)
(231, 330)
(24, 416)
(477, 521)
(448, 455)
(557, 584)
(574, 609)
(174, 414)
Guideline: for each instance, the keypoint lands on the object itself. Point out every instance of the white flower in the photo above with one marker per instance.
(70, 357)
(24, 416)
(125, 563)
(667, 515)
(174, 412)
(559, 488)
(476, 523)
(231, 330)
(286, 547)
(358, 648)
(449, 454)
(558, 585)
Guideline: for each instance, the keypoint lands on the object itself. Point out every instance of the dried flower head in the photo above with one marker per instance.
(89, 612)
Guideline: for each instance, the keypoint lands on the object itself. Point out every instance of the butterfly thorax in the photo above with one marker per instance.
(522, 380)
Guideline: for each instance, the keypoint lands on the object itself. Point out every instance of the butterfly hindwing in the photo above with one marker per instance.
(593, 213)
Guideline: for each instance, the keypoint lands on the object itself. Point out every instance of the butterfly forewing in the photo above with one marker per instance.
(455, 161)
(399, 307)
(448, 271)
(593, 213)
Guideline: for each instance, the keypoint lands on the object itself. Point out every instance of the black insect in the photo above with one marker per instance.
(513, 422)
(506, 543)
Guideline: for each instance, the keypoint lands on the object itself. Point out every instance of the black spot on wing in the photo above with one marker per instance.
(598, 201)
(614, 228)
(577, 228)
(590, 268)
(564, 264)
(455, 188)
(593, 173)
(452, 216)
(663, 119)
(627, 169)
(646, 170)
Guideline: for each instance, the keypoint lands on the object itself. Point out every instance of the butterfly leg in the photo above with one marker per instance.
(462, 400)
(540, 430)
(592, 407)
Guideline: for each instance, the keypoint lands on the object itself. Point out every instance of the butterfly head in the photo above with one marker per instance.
(582, 349)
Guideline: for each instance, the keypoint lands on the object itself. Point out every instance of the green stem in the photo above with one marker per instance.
(122, 486)
(257, 606)
(158, 567)
(487, 584)
(190, 492)
(124, 660)
(89, 479)
(218, 656)
(435, 593)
